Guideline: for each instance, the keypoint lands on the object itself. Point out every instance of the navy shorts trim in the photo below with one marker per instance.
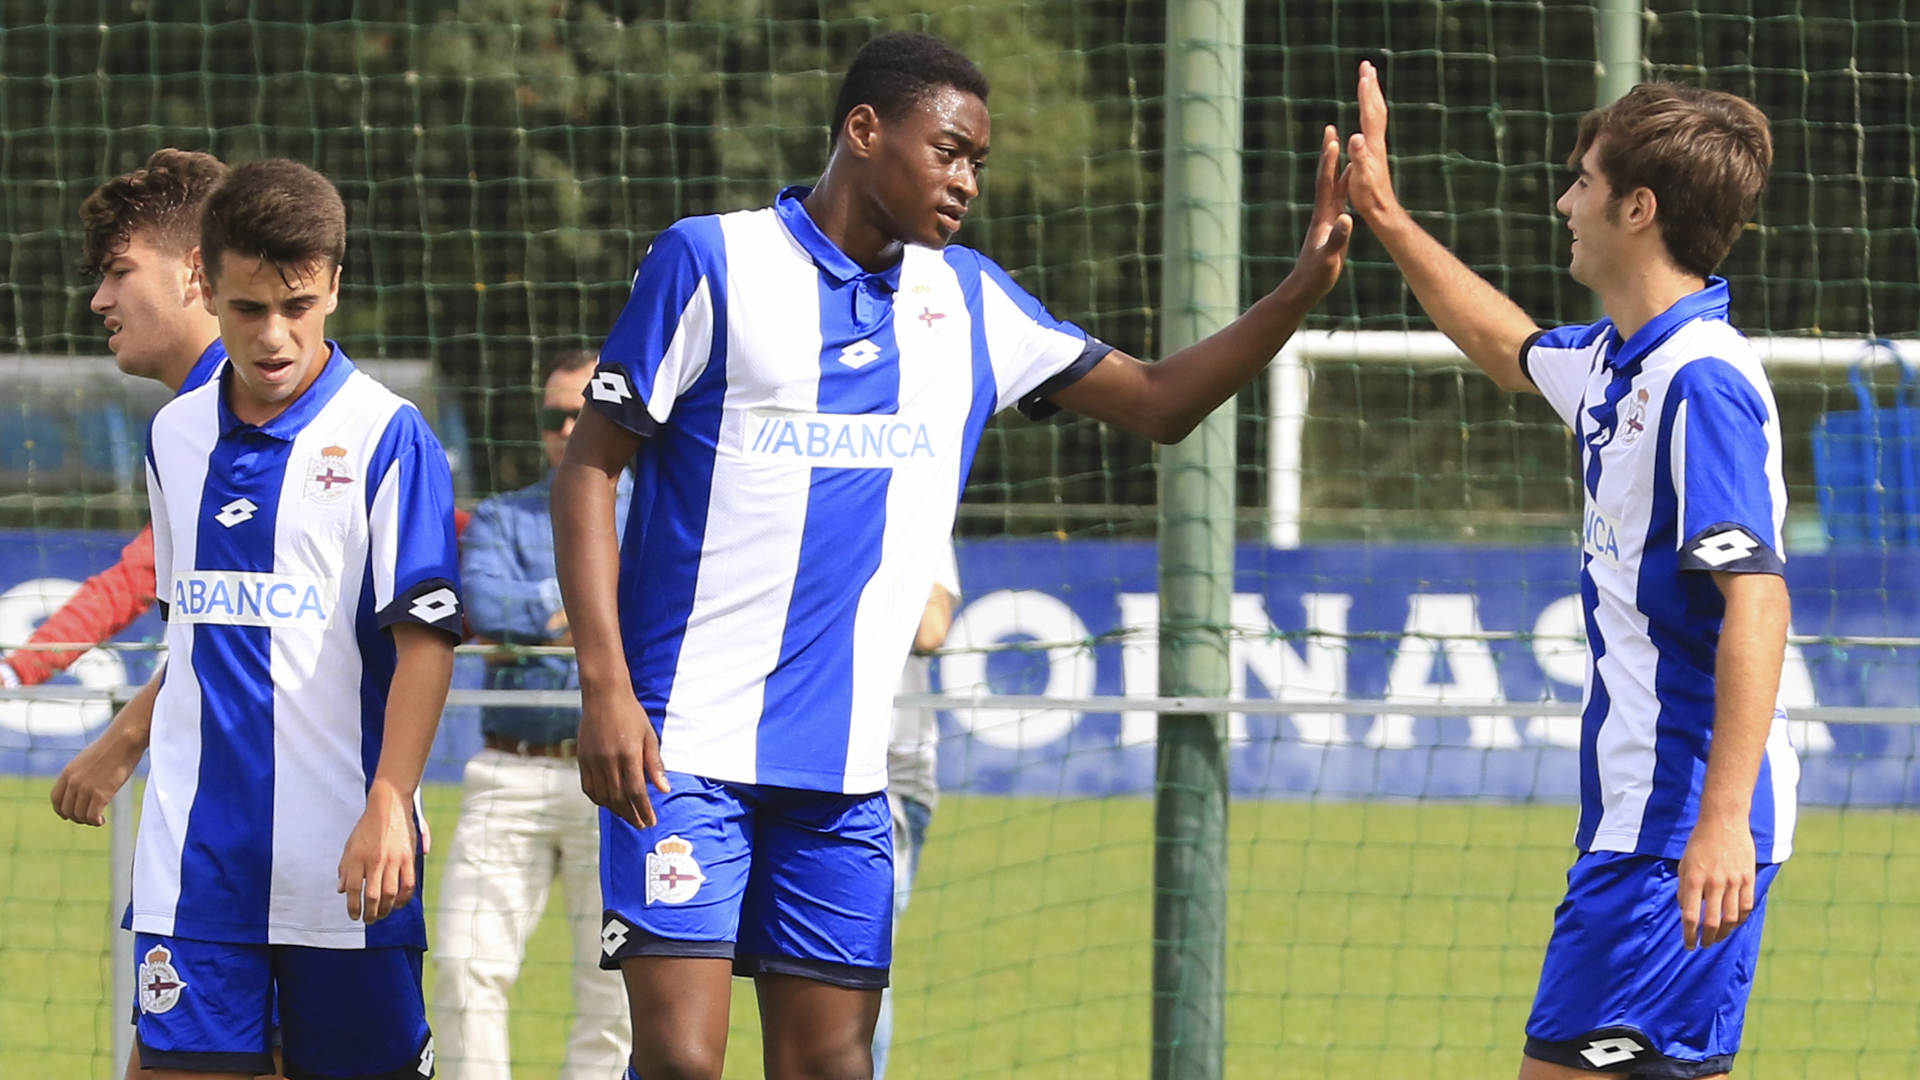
(1611, 1050)
(620, 939)
(850, 976)
(422, 1068)
(201, 1061)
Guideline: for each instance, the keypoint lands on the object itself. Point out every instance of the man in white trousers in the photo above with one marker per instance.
(523, 819)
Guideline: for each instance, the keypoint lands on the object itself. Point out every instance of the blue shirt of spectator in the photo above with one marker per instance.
(513, 597)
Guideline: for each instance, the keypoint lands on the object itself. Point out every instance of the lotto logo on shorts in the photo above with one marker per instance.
(160, 984)
(672, 875)
(248, 598)
(1616, 1051)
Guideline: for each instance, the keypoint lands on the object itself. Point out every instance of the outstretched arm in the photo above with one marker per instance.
(618, 750)
(1479, 318)
(1167, 400)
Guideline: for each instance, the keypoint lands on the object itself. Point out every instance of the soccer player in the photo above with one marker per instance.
(1687, 779)
(523, 819)
(304, 557)
(804, 386)
(141, 237)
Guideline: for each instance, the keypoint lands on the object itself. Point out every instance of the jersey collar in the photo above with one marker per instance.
(1708, 303)
(202, 371)
(825, 253)
(304, 408)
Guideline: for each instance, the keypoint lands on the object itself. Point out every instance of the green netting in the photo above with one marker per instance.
(505, 164)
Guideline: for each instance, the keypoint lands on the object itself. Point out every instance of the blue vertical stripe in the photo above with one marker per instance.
(808, 710)
(226, 865)
(1594, 717)
(672, 491)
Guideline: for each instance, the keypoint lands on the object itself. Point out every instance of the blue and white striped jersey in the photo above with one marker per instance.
(1680, 448)
(810, 426)
(282, 553)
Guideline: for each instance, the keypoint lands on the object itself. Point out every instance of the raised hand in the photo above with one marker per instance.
(1324, 251)
(1369, 183)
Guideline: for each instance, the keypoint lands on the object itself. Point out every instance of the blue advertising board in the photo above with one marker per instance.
(1404, 624)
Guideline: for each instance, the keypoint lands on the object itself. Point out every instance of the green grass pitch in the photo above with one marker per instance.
(1366, 939)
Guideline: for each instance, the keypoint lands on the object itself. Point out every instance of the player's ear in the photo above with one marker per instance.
(333, 290)
(196, 284)
(1639, 208)
(861, 131)
(203, 278)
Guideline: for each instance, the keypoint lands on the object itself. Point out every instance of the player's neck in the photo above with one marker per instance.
(850, 222)
(1639, 295)
(175, 375)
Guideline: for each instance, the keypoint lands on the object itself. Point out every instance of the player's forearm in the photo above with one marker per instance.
(132, 726)
(1753, 639)
(1479, 318)
(1182, 389)
(587, 555)
(104, 605)
(422, 673)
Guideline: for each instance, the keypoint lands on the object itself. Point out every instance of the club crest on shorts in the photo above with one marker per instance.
(330, 477)
(672, 875)
(160, 984)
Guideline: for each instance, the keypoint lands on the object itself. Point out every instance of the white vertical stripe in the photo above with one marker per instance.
(384, 535)
(1677, 458)
(936, 371)
(1783, 762)
(183, 437)
(1625, 747)
(320, 784)
(687, 354)
(756, 511)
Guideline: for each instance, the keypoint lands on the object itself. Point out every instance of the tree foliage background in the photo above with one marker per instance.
(506, 162)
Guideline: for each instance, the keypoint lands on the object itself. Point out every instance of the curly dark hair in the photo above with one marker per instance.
(898, 70)
(161, 198)
(278, 211)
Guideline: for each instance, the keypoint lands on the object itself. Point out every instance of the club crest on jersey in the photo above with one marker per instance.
(672, 875)
(160, 982)
(330, 476)
(1636, 420)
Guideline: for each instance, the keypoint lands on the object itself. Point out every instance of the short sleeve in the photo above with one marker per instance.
(1726, 471)
(411, 545)
(1033, 354)
(664, 337)
(1559, 362)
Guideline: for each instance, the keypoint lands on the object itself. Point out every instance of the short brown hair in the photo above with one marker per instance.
(569, 360)
(163, 197)
(1704, 154)
(278, 211)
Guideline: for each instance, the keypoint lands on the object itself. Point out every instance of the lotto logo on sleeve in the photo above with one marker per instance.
(672, 875)
(1724, 547)
(248, 598)
(835, 440)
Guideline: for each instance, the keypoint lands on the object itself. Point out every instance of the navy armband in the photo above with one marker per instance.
(1732, 549)
(611, 394)
(433, 602)
(1526, 347)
